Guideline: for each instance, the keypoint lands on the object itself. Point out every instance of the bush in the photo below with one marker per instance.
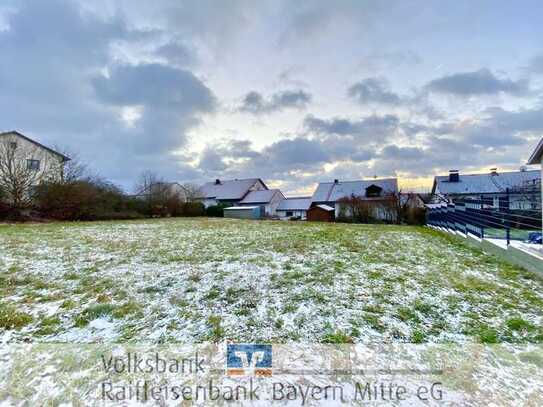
(215, 211)
(194, 209)
(81, 200)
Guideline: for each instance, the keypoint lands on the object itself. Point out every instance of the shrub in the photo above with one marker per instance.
(215, 211)
(194, 209)
(82, 200)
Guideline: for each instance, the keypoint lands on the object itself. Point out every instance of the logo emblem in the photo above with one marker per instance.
(248, 360)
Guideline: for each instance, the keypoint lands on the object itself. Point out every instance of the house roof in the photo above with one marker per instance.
(295, 204)
(535, 158)
(16, 133)
(229, 189)
(325, 207)
(261, 197)
(332, 191)
(485, 183)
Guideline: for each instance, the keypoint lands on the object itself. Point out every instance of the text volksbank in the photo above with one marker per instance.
(154, 363)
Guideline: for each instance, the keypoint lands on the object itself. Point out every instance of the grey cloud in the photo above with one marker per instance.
(51, 55)
(255, 103)
(372, 127)
(481, 82)
(373, 90)
(177, 54)
(402, 153)
(156, 85)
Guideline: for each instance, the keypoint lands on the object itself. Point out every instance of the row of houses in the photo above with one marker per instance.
(251, 197)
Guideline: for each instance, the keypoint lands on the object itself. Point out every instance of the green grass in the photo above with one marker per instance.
(217, 279)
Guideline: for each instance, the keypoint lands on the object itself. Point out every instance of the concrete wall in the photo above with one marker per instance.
(510, 254)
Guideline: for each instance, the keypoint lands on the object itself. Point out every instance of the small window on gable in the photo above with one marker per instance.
(13, 145)
(373, 191)
(33, 165)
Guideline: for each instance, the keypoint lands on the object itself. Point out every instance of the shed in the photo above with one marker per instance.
(321, 213)
(243, 212)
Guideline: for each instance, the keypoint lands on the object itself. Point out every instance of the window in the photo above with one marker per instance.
(289, 213)
(13, 145)
(373, 191)
(33, 164)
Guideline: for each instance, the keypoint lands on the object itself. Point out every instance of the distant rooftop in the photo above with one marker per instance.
(333, 191)
(295, 204)
(228, 189)
(485, 183)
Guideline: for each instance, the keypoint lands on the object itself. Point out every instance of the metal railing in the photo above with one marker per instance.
(512, 215)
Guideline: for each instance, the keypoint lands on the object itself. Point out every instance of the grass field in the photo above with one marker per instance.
(193, 280)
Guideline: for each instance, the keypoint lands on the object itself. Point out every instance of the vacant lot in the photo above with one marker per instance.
(194, 280)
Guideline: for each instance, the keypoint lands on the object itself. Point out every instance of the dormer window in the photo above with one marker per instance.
(33, 165)
(373, 191)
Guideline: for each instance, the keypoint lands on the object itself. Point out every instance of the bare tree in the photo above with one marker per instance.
(21, 172)
(74, 169)
(192, 192)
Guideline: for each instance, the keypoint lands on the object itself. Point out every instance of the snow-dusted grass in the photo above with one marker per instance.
(193, 280)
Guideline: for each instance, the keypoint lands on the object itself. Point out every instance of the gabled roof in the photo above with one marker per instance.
(261, 197)
(295, 204)
(16, 133)
(485, 183)
(332, 191)
(535, 158)
(229, 189)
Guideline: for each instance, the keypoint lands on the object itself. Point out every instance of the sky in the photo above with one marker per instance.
(291, 92)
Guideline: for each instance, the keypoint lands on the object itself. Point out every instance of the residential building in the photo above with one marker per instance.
(268, 199)
(376, 193)
(515, 190)
(33, 156)
(229, 192)
(295, 207)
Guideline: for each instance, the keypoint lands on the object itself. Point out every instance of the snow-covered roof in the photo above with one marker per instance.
(333, 191)
(229, 189)
(535, 158)
(485, 183)
(295, 204)
(260, 196)
(325, 207)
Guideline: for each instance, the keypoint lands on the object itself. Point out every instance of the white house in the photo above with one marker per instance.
(25, 164)
(376, 191)
(268, 199)
(229, 192)
(33, 155)
(294, 208)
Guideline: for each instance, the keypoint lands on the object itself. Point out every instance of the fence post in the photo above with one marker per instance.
(507, 220)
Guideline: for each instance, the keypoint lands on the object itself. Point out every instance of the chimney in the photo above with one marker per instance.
(217, 182)
(336, 181)
(493, 171)
(454, 176)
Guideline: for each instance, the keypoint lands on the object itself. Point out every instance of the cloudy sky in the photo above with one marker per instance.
(292, 92)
